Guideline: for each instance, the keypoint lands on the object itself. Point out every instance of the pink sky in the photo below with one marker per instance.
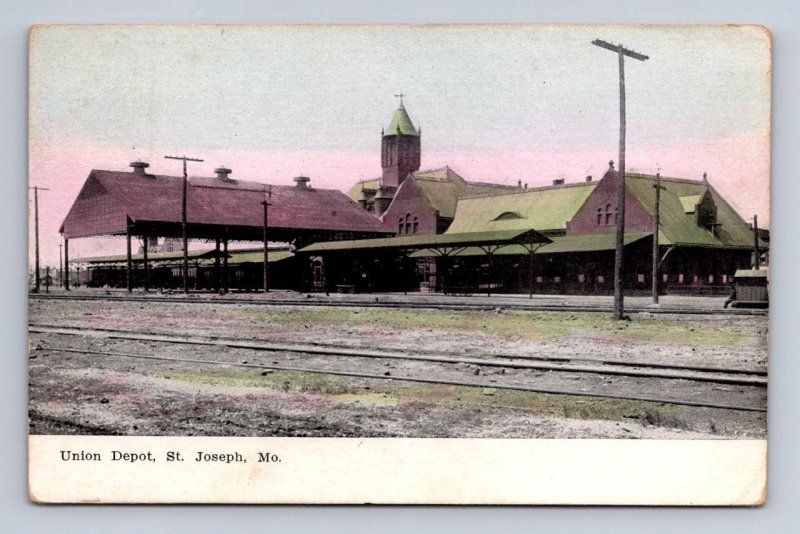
(735, 167)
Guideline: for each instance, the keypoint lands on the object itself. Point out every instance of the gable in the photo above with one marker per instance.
(599, 212)
(680, 227)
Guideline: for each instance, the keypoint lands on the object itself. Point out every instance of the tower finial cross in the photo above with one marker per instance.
(400, 96)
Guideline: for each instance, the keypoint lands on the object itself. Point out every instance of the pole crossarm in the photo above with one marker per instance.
(620, 48)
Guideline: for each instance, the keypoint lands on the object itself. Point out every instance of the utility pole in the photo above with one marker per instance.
(36, 190)
(618, 257)
(266, 204)
(183, 221)
(756, 251)
(656, 225)
(60, 267)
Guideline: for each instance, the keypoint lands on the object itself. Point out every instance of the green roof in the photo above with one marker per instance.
(750, 273)
(402, 122)
(356, 191)
(423, 241)
(560, 244)
(680, 228)
(690, 203)
(152, 256)
(257, 256)
(543, 209)
(206, 257)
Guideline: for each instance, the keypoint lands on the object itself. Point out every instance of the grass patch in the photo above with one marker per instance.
(518, 325)
(285, 380)
(335, 389)
(546, 404)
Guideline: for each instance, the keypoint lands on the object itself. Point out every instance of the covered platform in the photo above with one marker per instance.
(383, 264)
(215, 210)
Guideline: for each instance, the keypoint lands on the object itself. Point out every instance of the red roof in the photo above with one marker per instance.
(108, 198)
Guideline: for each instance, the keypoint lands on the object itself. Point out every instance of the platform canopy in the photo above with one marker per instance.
(116, 203)
(558, 245)
(437, 244)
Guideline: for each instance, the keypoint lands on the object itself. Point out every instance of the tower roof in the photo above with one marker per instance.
(401, 121)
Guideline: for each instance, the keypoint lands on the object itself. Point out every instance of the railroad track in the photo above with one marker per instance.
(318, 300)
(695, 374)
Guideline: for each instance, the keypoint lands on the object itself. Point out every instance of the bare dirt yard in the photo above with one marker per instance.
(245, 392)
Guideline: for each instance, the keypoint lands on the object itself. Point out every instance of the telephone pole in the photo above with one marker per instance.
(656, 225)
(618, 257)
(60, 267)
(185, 269)
(266, 203)
(36, 190)
(756, 251)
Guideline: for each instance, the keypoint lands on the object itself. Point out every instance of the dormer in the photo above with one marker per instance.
(703, 209)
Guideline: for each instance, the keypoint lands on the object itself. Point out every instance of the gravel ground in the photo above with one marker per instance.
(72, 393)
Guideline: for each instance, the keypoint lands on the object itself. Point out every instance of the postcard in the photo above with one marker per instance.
(253, 279)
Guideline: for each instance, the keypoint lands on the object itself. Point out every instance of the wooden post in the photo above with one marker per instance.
(756, 251)
(66, 264)
(225, 265)
(145, 243)
(656, 225)
(217, 282)
(530, 272)
(36, 275)
(128, 274)
(620, 240)
(184, 220)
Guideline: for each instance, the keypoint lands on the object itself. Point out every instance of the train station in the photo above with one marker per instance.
(414, 230)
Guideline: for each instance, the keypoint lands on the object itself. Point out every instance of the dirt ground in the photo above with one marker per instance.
(74, 393)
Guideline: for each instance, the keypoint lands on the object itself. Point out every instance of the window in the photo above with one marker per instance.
(508, 215)
(680, 278)
(608, 214)
(581, 278)
(640, 278)
(601, 279)
(724, 278)
(557, 279)
(400, 226)
(539, 279)
(616, 215)
(710, 278)
(665, 278)
(415, 226)
(599, 216)
(408, 223)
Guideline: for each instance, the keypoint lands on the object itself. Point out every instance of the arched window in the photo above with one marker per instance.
(608, 214)
(400, 225)
(616, 215)
(415, 226)
(599, 216)
(408, 223)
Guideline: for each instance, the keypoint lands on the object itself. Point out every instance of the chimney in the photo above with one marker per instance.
(558, 181)
(589, 178)
(302, 181)
(139, 168)
(222, 174)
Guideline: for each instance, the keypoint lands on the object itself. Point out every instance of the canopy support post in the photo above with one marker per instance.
(145, 243)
